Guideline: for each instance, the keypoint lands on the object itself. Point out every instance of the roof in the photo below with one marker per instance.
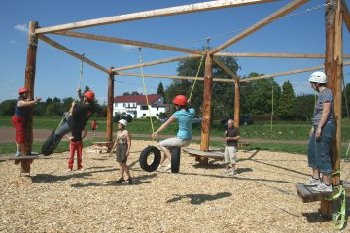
(138, 99)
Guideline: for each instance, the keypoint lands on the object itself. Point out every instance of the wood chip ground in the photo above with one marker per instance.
(260, 198)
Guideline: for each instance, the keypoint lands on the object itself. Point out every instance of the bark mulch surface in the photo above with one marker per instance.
(260, 198)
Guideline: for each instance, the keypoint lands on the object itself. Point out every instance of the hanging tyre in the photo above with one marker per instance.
(175, 159)
(146, 156)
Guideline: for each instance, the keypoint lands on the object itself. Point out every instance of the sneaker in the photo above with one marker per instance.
(130, 180)
(69, 170)
(121, 180)
(234, 172)
(323, 188)
(313, 182)
(168, 167)
(159, 167)
(18, 154)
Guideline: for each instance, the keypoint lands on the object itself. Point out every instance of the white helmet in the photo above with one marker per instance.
(123, 122)
(318, 77)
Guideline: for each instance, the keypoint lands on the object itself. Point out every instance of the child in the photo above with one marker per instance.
(231, 136)
(123, 143)
(76, 144)
(184, 116)
(20, 118)
(94, 126)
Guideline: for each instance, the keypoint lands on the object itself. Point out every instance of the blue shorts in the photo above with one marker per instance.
(319, 151)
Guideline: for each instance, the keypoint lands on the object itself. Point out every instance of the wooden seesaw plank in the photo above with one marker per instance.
(213, 154)
(308, 195)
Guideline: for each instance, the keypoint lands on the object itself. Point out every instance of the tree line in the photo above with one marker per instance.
(259, 98)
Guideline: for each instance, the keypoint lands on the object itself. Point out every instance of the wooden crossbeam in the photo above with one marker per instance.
(72, 53)
(156, 62)
(275, 55)
(346, 14)
(170, 11)
(225, 68)
(124, 41)
(283, 11)
(313, 68)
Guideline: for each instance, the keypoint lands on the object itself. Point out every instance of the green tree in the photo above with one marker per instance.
(256, 96)
(346, 100)
(160, 89)
(305, 105)
(7, 107)
(222, 93)
(287, 106)
(67, 103)
(54, 109)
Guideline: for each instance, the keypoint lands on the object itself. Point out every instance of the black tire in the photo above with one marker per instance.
(175, 159)
(149, 151)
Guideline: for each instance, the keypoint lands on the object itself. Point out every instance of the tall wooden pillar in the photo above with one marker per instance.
(29, 83)
(206, 117)
(237, 104)
(334, 72)
(110, 99)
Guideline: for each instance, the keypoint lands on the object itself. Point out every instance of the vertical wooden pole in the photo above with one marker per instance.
(206, 118)
(110, 99)
(237, 104)
(29, 83)
(334, 72)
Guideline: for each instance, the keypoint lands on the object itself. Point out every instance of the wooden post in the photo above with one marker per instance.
(109, 135)
(29, 83)
(206, 117)
(334, 72)
(237, 104)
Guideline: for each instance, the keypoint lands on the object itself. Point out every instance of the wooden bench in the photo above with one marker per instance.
(103, 146)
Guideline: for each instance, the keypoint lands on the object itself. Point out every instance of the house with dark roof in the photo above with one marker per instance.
(137, 107)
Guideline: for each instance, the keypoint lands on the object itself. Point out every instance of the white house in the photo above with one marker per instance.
(136, 105)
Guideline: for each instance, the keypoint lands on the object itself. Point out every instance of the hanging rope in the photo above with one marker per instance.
(145, 90)
(81, 70)
(199, 67)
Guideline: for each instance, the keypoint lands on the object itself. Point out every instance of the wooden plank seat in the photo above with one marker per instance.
(308, 195)
(101, 146)
(212, 154)
(242, 145)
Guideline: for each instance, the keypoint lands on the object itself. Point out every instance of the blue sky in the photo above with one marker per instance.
(58, 74)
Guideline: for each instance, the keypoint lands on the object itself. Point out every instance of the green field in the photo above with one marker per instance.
(282, 130)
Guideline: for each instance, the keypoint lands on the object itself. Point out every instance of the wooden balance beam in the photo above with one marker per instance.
(211, 154)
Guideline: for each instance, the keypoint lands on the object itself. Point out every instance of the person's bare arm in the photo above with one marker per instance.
(163, 126)
(25, 103)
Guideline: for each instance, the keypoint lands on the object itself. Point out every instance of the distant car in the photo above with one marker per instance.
(196, 120)
(246, 120)
(163, 119)
(124, 116)
(243, 120)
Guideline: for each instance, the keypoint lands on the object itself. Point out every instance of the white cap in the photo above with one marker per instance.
(123, 122)
(318, 77)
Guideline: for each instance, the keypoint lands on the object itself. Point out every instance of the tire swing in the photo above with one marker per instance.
(146, 154)
(175, 159)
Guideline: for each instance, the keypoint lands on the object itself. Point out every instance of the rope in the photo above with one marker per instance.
(81, 71)
(145, 90)
(340, 217)
(199, 67)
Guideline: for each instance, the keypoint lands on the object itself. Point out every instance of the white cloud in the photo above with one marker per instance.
(127, 47)
(21, 27)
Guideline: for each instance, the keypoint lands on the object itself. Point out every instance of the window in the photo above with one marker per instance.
(145, 107)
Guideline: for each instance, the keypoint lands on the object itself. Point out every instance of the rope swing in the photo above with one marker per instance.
(144, 88)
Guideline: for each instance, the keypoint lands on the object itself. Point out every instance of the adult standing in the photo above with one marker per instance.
(321, 135)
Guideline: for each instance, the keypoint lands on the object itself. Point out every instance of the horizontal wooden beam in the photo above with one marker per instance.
(275, 55)
(170, 11)
(172, 77)
(125, 41)
(313, 68)
(225, 68)
(229, 80)
(283, 11)
(346, 14)
(156, 62)
(71, 52)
